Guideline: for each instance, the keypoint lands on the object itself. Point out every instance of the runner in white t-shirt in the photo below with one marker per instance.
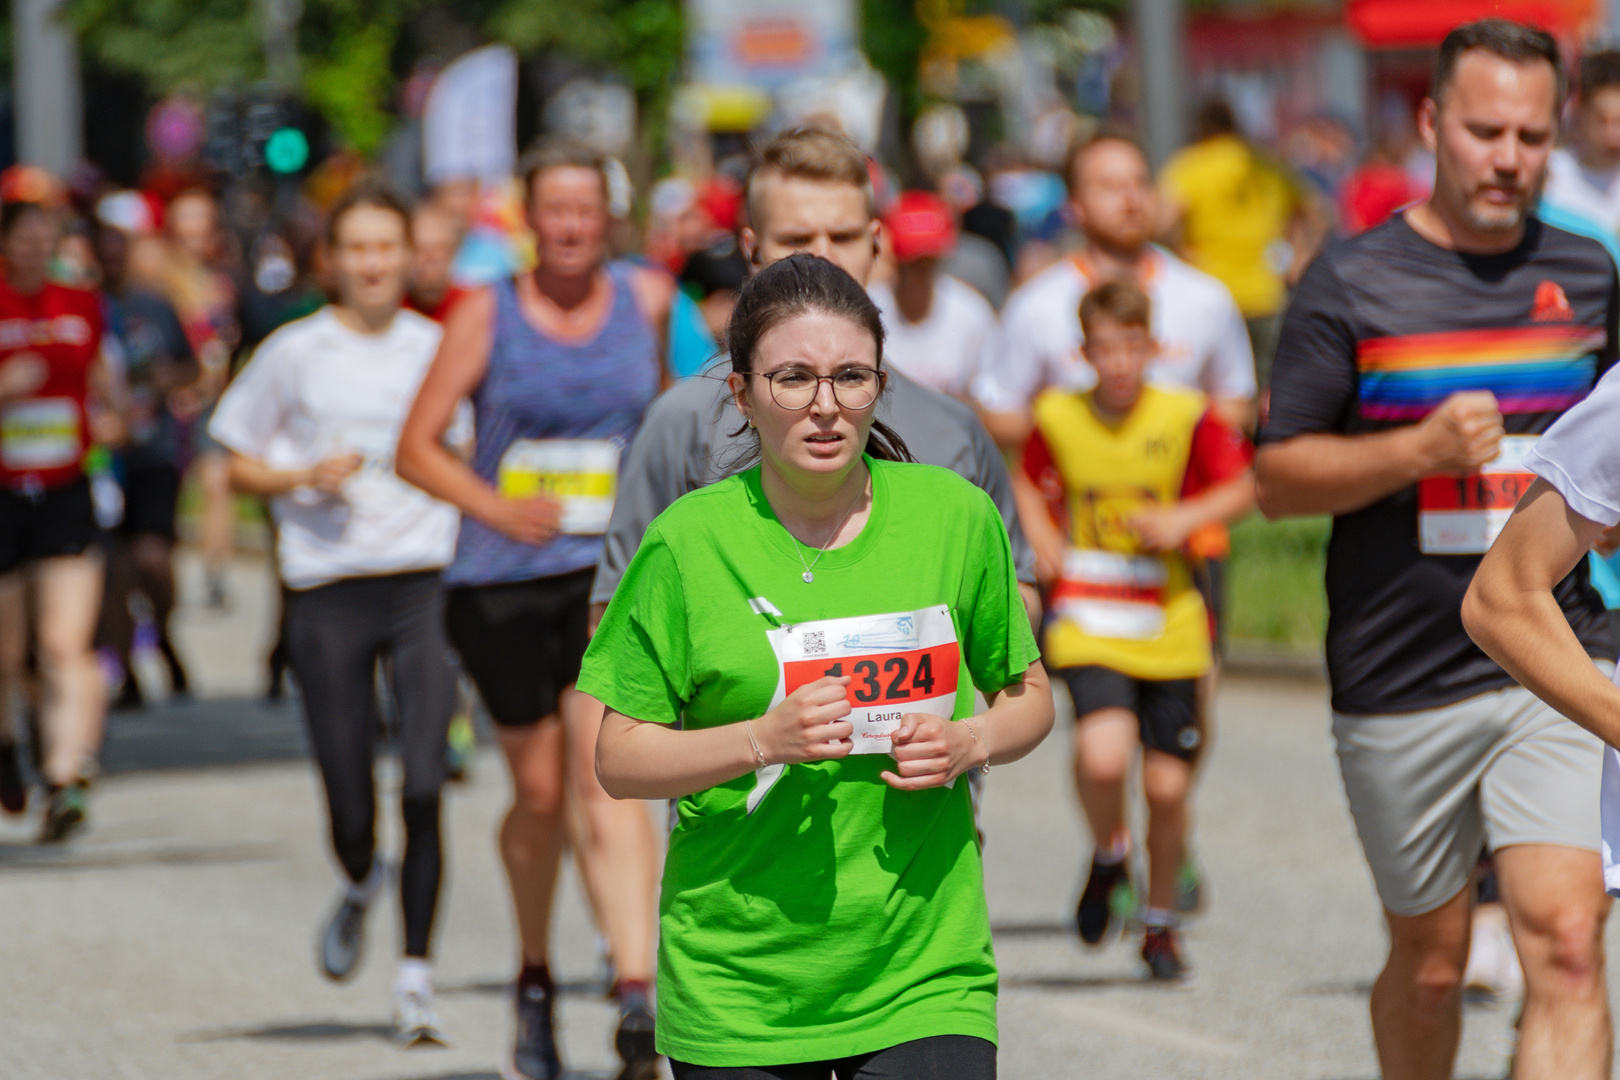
(936, 325)
(311, 424)
(1204, 342)
(1584, 177)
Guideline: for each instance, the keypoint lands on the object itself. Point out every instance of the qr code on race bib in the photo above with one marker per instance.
(815, 643)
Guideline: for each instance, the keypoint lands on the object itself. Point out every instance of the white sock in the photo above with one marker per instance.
(1114, 854)
(364, 891)
(1160, 920)
(415, 977)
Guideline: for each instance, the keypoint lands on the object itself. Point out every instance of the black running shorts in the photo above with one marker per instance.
(1166, 709)
(58, 521)
(151, 494)
(521, 642)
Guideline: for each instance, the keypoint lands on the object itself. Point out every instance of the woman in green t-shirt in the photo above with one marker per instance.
(786, 657)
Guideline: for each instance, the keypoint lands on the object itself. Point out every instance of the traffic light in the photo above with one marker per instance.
(286, 151)
(259, 129)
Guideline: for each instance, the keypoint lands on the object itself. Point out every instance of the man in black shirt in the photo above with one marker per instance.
(1418, 364)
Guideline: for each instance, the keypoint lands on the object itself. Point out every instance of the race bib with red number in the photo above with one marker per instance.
(906, 662)
(1463, 515)
(1107, 594)
(896, 664)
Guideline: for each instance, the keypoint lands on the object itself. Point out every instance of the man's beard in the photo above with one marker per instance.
(1499, 219)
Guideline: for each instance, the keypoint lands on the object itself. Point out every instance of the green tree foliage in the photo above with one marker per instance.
(893, 37)
(174, 44)
(349, 49)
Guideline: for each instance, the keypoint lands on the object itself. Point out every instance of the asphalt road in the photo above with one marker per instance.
(176, 938)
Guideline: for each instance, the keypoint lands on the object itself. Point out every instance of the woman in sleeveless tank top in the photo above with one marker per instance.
(559, 366)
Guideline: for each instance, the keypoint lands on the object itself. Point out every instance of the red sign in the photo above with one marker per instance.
(1408, 24)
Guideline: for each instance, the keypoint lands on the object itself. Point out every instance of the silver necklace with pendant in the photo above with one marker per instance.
(809, 567)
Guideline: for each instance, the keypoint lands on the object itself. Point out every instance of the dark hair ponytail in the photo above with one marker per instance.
(795, 286)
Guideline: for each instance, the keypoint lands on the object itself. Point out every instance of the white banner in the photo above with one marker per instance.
(469, 129)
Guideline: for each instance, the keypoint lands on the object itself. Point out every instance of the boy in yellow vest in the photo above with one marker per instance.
(1114, 481)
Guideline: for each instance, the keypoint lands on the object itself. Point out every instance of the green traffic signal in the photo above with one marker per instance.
(286, 151)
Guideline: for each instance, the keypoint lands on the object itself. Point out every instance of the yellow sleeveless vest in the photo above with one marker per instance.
(1116, 605)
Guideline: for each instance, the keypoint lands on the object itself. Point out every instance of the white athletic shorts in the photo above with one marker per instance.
(1430, 789)
(1610, 810)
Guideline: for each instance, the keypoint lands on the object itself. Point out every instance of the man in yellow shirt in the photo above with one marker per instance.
(1241, 218)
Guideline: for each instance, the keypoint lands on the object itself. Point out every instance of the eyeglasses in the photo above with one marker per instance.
(796, 388)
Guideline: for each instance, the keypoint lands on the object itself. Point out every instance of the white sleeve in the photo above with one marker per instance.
(1230, 373)
(1010, 366)
(1580, 454)
(978, 333)
(254, 408)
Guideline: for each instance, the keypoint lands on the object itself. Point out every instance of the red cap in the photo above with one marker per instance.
(722, 198)
(920, 226)
(30, 183)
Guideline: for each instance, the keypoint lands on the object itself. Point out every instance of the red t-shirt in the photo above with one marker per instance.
(440, 311)
(1374, 192)
(43, 437)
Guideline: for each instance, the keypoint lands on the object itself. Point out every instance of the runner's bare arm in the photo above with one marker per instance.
(1009, 429)
(655, 296)
(636, 759)
(1044, 536)
(250, 476)
(422, 458)
(931, 751)
(21, 374)
(1510, 611)
(1335, 474)
(109, 402)
(1167, 528)
(1236, 412)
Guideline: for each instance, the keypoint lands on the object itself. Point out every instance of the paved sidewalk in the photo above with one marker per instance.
(176, 940)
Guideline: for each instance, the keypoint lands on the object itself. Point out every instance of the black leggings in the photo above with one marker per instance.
(335, 636)
(942, 1057)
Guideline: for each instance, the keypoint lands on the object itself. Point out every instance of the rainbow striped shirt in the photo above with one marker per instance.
(1542, 368)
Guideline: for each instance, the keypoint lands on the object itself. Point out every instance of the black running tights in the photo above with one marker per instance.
(335, 636)
(943, 1057)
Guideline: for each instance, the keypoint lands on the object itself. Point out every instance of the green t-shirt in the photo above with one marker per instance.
(812, 912)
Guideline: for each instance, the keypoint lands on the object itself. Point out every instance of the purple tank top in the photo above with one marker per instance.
(560, 416)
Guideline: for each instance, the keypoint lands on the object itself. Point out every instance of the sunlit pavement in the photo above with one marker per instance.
(176, 938)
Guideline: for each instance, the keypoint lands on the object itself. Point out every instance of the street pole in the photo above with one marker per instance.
(1162, 66)
(45, 53)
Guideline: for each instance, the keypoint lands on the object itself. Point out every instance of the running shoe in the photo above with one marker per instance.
(1493, 972)
(179, 681)
(1162, 954)
(1189, 886)
(460, 747)
(634, 1039)
(343, 939)
(65, 813)
(1095, 912)
(415, 1022)
(534, 1051)
(13, 792)
(130, 698)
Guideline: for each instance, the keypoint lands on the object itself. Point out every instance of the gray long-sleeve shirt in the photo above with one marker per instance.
(686, 442)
